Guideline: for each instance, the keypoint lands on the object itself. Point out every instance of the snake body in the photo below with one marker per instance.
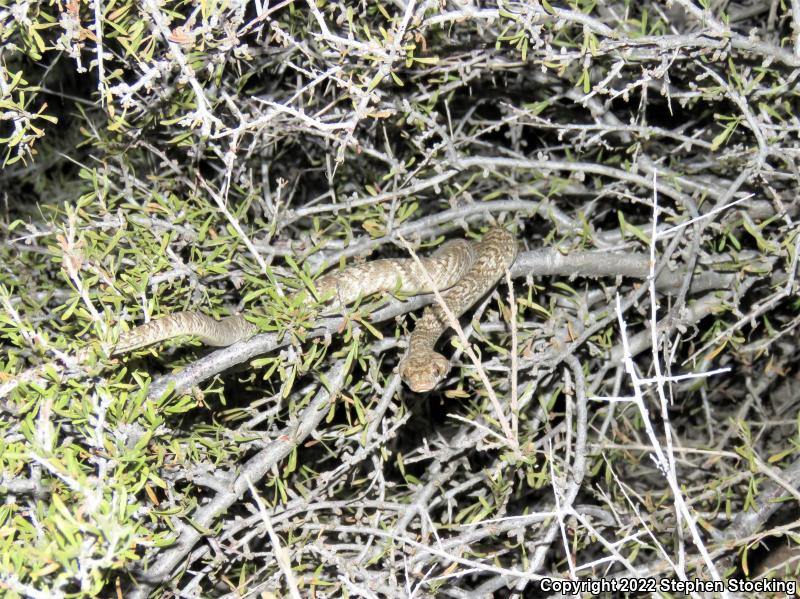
(423, 368)
(462, 270)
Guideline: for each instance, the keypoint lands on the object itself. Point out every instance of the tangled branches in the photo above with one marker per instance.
(621, 407)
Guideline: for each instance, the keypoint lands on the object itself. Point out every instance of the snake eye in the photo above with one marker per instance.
(439, 366)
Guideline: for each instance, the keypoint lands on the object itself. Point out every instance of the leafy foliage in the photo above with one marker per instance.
(216, 156)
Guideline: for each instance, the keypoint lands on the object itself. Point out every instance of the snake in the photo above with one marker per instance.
(461, 270)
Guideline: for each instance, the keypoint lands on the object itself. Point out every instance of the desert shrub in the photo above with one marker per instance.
(623, 410)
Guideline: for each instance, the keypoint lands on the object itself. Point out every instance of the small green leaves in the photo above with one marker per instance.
(731, 123)
(630, 229)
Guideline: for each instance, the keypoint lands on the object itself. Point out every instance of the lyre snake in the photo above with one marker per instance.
(461, 270)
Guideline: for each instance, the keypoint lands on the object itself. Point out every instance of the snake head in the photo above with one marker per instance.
(423, 372)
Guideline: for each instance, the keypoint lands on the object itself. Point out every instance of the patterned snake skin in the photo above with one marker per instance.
(423, 368)
(462, 270)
